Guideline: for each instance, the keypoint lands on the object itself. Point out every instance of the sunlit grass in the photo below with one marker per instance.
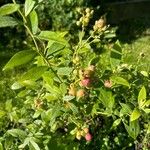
(138, 53)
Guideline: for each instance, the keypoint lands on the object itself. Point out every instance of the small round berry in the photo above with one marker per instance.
(78, 135)
(108, 83)
(80, 93)
(86, 130)
(91, 67)
(88, 73)
(101, 23)
(87, 10)
(86, 82)
(76, 60)
(78, 23)
(88, 137)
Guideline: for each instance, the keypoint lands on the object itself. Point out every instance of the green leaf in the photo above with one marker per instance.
(85, 48)
(50, 97)
(94, 60)
(116, 123)
(17, 133)
(20, 58)
(54, 47)
(146, 104)
(48, 77)
(2, 113)
(54, 90)
(34, 144)
(73, 108)
(107, 98)
(34, 73)
(7, 21)
(133, 129)
(1, 146)
(146, 110)
(64, 71)
(125, 109)
(25, 143)
(34, 21)
(56, 112)
(68, 97)
(115, 55)
(29, 4)
(16, 86)
(142, 97)
(109, 35)
(8, 9)
(8, 105)
(28, 83)
(119, 80)
(144, 73)
(53, 36)
(148, 130)
(135, 114)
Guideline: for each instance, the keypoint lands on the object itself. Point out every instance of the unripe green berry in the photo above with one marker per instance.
(78, 135)
(78, 23)
(86, 130)
(87, 10)
(76, 60)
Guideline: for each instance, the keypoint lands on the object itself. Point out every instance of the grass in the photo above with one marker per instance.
(138, 53)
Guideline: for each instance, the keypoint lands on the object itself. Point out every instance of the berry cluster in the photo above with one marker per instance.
(85, 82)
(85, 133)
(100, 25)
(86, 15)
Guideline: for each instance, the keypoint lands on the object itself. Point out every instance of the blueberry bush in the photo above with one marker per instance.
(72, 95)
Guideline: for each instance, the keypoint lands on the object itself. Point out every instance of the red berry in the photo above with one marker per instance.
(88, 137)
(85, 82)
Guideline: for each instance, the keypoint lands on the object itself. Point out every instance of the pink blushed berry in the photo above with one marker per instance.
(85, 82)
(88, 137)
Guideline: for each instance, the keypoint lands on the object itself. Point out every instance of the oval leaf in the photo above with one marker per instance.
(135, 114)
(7, 21)
(119, 80)
(133, 129)
(142, 96)
(73, 108)
(116, 123)
(34, 145)
(17, 133)
(64, 71)
(20, 58)
(29, 4)
(34, 73)
(34, 21)
(8, 9)
(68, 97)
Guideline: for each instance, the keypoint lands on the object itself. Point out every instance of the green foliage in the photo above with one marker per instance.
(20, 58)
(7, 21)
(73, 96)
(8, 9)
